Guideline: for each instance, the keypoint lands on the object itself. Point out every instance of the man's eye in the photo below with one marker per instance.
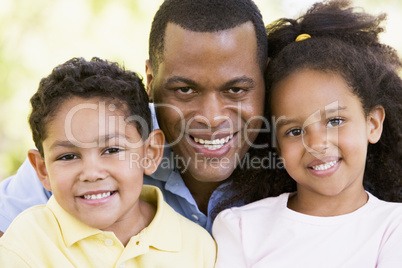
(185, 90)
(334, 122)
(67, 157)
(294, 132)
(236, 90)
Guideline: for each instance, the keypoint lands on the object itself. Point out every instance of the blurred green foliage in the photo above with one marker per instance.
(35, 36)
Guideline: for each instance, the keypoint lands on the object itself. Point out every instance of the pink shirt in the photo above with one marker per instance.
(268, 234)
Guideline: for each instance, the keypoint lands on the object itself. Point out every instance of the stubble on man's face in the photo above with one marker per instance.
(209, 92)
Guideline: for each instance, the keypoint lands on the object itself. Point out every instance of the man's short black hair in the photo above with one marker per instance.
(205, 16)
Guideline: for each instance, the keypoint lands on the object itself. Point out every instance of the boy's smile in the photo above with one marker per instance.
(96, 183)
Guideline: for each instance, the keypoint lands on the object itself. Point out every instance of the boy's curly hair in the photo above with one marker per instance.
(88, 79)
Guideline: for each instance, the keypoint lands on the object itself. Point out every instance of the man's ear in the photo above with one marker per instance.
(150, 77)
(154, 151)
(39, 165)
(375, 122)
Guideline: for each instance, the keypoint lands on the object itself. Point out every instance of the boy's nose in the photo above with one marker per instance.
(92, 170)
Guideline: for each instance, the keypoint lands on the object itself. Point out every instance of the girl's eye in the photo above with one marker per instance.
(67, 157)
(334, 122)
(294, 132)
(112, 150)
(185, 90)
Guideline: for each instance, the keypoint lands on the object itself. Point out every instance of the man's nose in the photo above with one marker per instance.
(212, 111)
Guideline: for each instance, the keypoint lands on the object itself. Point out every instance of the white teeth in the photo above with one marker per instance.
(213, 144)
(325, 166)
(97, 196)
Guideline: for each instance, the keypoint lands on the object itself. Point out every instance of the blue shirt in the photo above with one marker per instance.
(24, 190)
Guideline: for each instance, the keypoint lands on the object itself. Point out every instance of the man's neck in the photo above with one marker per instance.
(201, 191)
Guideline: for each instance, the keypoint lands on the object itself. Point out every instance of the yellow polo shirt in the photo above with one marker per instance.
(48, 236)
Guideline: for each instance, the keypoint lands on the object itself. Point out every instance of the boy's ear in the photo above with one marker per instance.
(375, 122)
(39, 165)
(154, 151)
(150, 77)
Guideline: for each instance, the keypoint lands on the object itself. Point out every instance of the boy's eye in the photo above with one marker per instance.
(334, 122)
(67, 157)
(294, 132)
(112, 150)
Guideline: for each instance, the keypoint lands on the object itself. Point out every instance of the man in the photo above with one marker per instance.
(205, 77)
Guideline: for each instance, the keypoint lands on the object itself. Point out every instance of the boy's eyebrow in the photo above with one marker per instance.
(61, 143)
(71, 144)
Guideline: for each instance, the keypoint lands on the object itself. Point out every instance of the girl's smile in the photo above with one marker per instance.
(323, 134)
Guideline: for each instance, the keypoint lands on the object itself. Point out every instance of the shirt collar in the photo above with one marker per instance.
(72, 229)
(164, 231)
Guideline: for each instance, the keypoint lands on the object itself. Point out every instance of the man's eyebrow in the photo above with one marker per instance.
(179, 79)
(240, 80)
(190, 82)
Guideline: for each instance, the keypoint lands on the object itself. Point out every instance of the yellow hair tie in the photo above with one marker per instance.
(302, 37)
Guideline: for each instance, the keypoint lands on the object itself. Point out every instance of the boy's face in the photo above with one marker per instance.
(208, 92)
(94, 163)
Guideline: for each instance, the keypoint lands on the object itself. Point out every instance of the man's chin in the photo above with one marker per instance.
(208, 175)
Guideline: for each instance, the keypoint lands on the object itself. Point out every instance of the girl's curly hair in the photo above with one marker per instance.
(344, 41)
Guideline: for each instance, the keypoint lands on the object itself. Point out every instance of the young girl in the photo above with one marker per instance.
(336, 98)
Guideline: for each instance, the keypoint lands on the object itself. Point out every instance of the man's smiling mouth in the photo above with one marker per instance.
(213, 144)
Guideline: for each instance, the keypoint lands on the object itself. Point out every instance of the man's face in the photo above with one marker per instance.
(209, 96)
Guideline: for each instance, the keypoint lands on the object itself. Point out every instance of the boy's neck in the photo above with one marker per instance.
(126, 229)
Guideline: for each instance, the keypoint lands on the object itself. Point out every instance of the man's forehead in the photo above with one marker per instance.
(173, 28)
(182, 43)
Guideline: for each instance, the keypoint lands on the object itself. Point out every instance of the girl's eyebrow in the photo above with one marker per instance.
(334, 110)
(282, 121)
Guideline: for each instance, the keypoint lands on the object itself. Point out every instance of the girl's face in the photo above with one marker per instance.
(323, 133)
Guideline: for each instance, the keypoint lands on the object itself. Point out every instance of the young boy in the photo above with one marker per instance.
(93, 130)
